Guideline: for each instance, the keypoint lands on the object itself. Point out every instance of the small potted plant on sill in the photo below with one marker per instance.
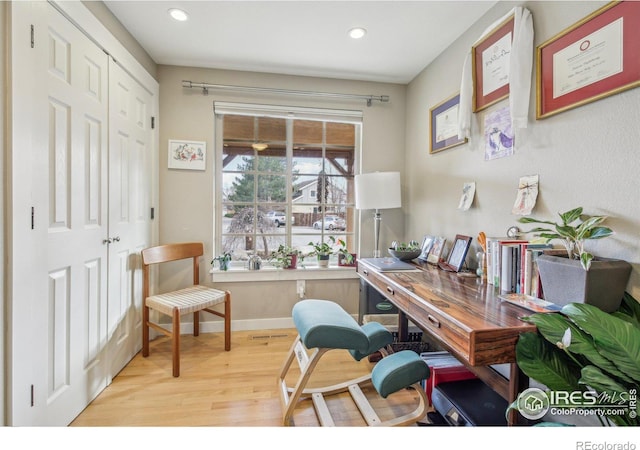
(345, 258)
(223, 260)
(323, 251)
(285, 257)
(579, 277)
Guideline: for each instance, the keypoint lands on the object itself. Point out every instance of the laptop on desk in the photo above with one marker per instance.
(389, 264)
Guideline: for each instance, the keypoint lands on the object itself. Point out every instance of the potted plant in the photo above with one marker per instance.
(585, 349)
(323, 251)
(579, 277)
(223, 260)
(285, 257)
(345, 257)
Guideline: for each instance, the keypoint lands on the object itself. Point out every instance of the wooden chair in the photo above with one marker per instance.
(177, 303)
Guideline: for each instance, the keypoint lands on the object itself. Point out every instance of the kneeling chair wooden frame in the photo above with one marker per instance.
(188, 300)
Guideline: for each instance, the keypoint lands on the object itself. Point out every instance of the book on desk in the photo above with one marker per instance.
(388, 264)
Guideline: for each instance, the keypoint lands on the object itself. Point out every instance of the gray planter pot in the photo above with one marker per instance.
(565, 281)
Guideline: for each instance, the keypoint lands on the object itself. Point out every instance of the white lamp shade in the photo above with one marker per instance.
(378, 190)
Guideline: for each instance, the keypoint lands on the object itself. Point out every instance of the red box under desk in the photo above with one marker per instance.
(443, 374)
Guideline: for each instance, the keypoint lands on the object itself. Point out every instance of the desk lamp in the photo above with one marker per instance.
(378, 190)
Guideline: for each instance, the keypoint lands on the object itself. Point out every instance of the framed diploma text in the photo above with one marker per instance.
(590, 60)
(444, 125)
(491, 58)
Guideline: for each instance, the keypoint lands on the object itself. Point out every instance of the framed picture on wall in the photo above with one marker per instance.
(490, 59)
(190, 155)
(443, 125)
(590, 60)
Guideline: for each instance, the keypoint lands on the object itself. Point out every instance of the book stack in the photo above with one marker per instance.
(512, 266)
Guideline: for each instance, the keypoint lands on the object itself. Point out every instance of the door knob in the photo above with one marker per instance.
(116, 239)
(106, 241)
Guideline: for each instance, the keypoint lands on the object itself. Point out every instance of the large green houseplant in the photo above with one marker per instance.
(579, 277)
(585, 349)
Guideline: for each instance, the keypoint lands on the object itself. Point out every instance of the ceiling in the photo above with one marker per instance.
(306, 38)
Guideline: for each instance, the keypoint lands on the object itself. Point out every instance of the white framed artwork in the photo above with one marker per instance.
(189, 155)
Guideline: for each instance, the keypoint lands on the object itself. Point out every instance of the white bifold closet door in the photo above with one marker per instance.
(90, 193)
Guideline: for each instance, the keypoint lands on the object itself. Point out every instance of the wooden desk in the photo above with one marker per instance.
(463, 314)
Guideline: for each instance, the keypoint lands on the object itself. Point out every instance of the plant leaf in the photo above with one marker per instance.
(615, 339)
(545, 363)
(630, 306)
(532, 220)
(553, 326)
(571, 216)
(585, 260)
(601, 382)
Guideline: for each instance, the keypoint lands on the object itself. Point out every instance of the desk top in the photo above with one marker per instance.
(463, 313)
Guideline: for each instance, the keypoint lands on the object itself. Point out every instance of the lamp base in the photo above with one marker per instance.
(376, 229)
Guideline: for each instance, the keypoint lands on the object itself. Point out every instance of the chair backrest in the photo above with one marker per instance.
(171, 252)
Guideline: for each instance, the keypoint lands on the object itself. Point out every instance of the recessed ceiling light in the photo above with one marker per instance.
(357, 33)
(178, 14)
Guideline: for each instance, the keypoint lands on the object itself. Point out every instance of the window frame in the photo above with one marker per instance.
(290, 115)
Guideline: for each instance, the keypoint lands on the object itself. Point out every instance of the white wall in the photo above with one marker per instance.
(587, 156)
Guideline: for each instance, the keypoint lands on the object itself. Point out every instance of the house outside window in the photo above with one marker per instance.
(284, 177)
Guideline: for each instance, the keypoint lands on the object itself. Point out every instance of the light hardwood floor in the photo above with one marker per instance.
(227, 389)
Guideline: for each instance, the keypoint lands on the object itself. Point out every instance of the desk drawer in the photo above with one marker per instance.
(441, 327)
(389, 290)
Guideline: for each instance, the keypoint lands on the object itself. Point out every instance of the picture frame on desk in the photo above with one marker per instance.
(427, 245)
(590, 60)
(436, 250)
(458, 253)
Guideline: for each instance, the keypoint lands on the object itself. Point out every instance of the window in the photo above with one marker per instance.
(284, 178)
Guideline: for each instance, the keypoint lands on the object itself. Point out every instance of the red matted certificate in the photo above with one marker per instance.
(588, 60)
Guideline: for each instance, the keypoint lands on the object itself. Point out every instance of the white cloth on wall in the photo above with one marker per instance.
(520, 68)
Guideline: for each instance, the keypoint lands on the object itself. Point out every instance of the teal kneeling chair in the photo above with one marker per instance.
(322, 326)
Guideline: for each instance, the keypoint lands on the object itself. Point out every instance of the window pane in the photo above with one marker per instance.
(260, 210)
(238, 187)
(272, 188)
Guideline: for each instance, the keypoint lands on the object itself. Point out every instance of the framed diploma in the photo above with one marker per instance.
(590, 60)
(444, 125)
(490, 60)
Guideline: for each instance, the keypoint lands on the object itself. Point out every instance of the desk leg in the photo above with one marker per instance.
(518, 382)
(403, 327)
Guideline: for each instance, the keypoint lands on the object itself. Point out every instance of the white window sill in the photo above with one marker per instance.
(239, 274)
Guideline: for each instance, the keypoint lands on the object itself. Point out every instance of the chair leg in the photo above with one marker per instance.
(196, 323)
(175, 334)
(145, 331)
(227, 321)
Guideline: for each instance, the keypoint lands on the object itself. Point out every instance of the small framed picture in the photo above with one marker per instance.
(444, 125)
(436, 250)
(427, 244)
(457, 254)
(190, 155)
